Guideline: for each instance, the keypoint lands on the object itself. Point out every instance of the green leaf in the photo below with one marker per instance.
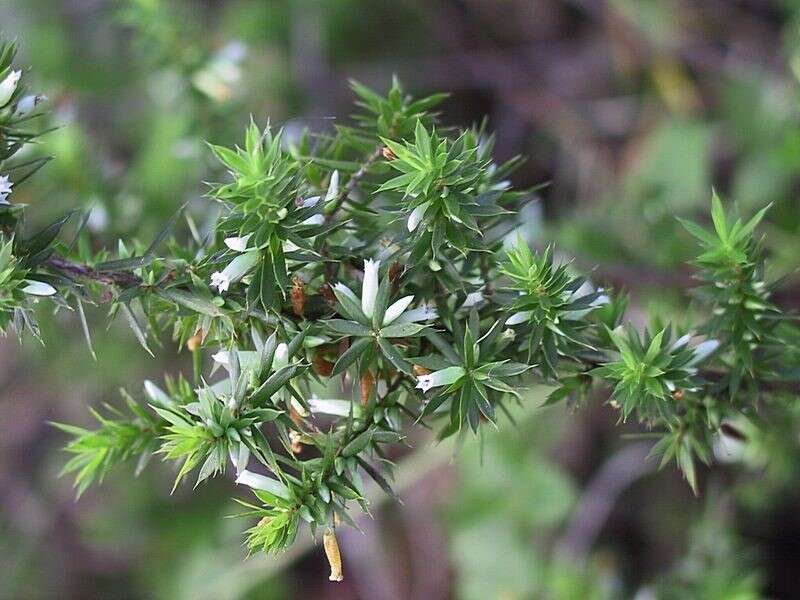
(394, 356)
(348, 327)
(351, 355)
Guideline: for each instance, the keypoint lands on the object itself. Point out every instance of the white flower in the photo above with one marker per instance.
(238, 244)
(397, 309)
(38, 288)
(315, 220)
(8, 86)
(28, 103)
(520, 317)
(369, 289)
(5, 188)
(416, 216)
(472, 299)
(702, 351)
(155, 393)
(281, 358)
(340, 408)
(333, 187)
(424, 312)
(240, 455)
(236, 269)
(439, 378)
(258, 482)
(220, 281)
(309, 202)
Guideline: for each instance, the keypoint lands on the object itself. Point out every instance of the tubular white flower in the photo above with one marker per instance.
(439, 378)
(238, 244)
(315, 220)
(236, 269)
(156, 394)
(520, 317)
(222, 357)
(257, 482)
(369, 289)
(424, 312)
(702, 351)
(416, 216)
(8, 86)
(339, 408)
(333, 187)
(38, 288)
(397, 309)
(472, 299)
(281, 357)
(5, 188)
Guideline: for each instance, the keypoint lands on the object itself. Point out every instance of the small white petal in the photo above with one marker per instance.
(424, 382)
(5, 188)
(220, 281)
(425, 312)
(38, 288)
(28, 103)
(222, 357)
(369, 288)
(309, 202)
(520, 317)
(441, 377)
(238, 244)
(472, 299)
(397, 309)
(236, 269)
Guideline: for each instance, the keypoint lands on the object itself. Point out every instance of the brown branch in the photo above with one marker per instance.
(80, 271)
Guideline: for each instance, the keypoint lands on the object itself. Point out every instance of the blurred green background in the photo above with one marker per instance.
(631, 109)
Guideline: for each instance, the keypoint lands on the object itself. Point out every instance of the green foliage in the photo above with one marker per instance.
(321, 381)
(549, 304)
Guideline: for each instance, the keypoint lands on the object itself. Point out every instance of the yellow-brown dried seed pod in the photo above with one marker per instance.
(367, 383)
(333, 554)
(298, 296)
(387, 153)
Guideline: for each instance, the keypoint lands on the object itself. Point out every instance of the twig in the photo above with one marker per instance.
(354, 180)
(122, 278)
